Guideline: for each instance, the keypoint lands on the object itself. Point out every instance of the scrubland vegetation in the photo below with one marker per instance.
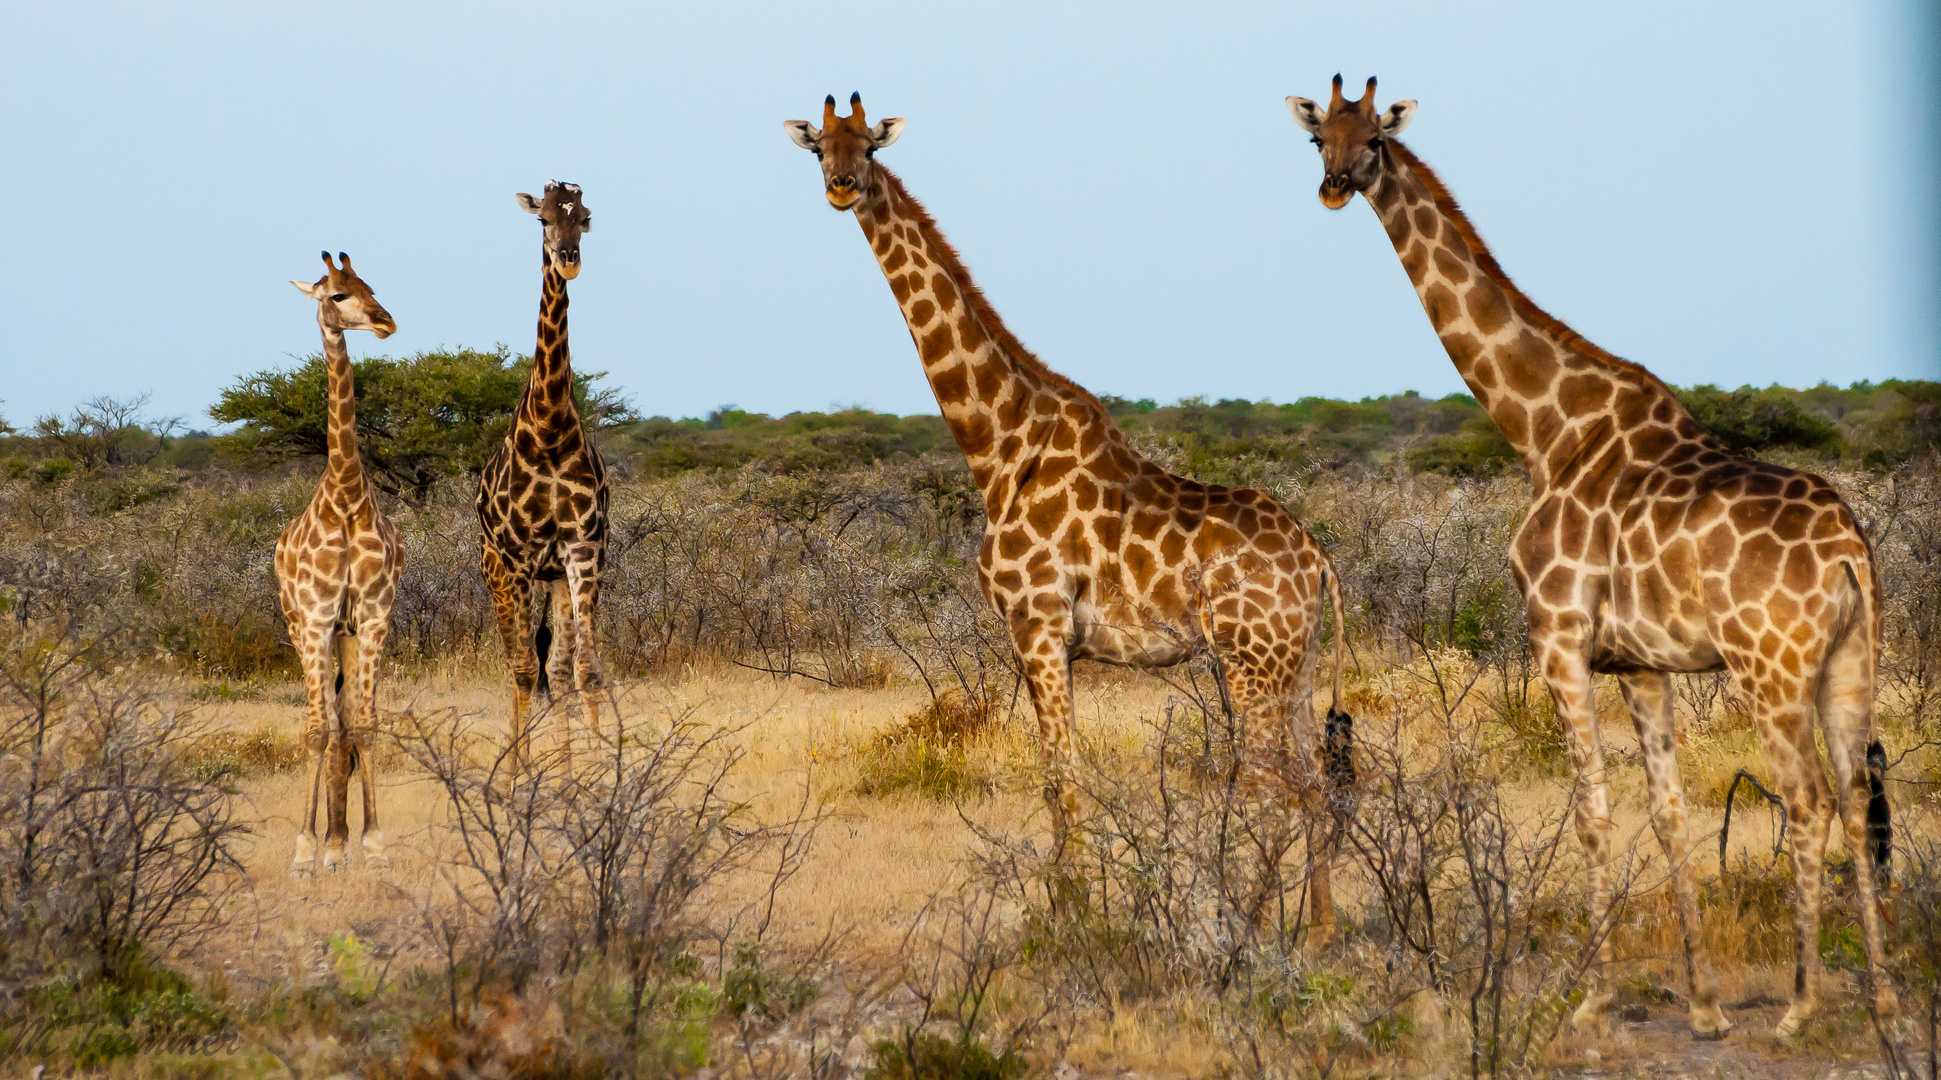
(814, 845)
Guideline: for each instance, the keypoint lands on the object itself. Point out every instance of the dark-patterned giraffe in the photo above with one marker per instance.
(1091, 551)
(337, 568)
(1647, 550)
(542, 501)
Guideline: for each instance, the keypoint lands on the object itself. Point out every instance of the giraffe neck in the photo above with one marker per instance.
(998, 399)
(547, 405)
(343, 473)
(1557, 398)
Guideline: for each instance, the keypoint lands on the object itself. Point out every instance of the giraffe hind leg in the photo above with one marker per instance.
(1846, 694)
(555, 644)
(337, 754)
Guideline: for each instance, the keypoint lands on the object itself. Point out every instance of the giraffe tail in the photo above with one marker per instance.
(337, 700)
(542, 643)
(1880, 815)
(1339, 754)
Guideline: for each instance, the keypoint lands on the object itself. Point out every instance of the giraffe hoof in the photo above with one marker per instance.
(1790, 1031)
(1593, 1016)
(1709, 1024)
(1887, 1004)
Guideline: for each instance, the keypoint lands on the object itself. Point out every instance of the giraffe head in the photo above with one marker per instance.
(344, 302)
(846, 146)
(564, 214)
(1350, 135)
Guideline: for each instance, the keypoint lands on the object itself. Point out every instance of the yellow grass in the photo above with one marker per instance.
(878, 860)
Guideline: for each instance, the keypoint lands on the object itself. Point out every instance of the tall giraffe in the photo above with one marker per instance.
(1090, 551)
(337, 568)
(1647, 550)
(542, 501)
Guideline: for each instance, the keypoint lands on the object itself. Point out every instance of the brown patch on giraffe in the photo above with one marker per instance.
(1530, 365)
(1452, 269)
(1442, 305)
(951, 384)
(1415, 262)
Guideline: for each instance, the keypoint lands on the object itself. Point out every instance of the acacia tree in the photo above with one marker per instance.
(439, 413)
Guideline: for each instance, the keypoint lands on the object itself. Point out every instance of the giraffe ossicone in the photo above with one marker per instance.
(337, 568)
(1648, 550)
(1091, 551)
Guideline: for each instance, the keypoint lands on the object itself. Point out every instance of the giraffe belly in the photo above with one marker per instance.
(1675, 646)
(1115, 633)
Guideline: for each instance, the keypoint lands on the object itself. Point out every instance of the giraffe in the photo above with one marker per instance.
(542, 501)
(1091, 551)
(1647, 550)
(337, 568)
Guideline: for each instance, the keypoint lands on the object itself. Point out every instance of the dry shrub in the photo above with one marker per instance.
(933, 754)
(117, 853)
(571, 904)
(233, 753)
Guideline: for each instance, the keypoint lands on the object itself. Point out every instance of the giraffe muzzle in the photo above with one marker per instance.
(843, 193)
(1336, 190)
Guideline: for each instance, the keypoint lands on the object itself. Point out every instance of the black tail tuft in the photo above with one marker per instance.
(1340, 752)
(542, 643)
(1880, 821)
(1338, 758)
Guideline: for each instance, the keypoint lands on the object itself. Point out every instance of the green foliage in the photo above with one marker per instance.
(933, 1056)
(90, 1022)
(1477, 451)
(440, 413)
(750, 989)
(358, 976)
(1747, 421)
(729, 438)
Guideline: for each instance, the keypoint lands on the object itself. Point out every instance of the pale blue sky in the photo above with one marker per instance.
(1725, 192)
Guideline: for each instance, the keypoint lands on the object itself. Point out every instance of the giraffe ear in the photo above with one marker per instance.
(1397, 116)
(311, 289)
(802, 132)
(1307, 113)
(527, 203)
(886, 132)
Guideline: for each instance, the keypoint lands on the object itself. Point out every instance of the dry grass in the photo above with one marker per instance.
(882, 856)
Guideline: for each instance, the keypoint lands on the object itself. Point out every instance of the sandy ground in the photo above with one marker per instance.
(876, 862)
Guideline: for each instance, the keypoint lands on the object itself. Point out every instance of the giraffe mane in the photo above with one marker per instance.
(1522, 304)
(960, 276)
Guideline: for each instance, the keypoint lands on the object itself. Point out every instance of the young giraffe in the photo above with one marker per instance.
(1090, 551)
(542, 501)
(337, 568)
(1647, 550)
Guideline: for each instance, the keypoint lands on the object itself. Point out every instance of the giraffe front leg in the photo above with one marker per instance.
(370, 640)
(1649, 696)
(1569, 679)
(512, 605)
(1042, 639)
(313, 648)
(583, 581)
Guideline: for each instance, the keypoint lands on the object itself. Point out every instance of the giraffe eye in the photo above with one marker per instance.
(1315, 139)
(1375, 143)
(338, 298)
